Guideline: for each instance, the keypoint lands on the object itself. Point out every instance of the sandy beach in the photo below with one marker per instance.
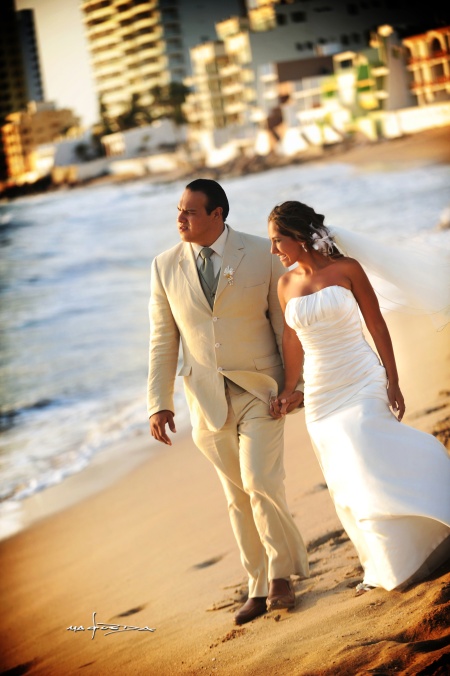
(153, 551)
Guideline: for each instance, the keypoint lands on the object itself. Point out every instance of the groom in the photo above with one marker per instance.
(216, 292)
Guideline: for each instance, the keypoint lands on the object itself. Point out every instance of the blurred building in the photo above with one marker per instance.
(296, 90)
(223, 80)
(369, 91)
(375, 78)
(234, 81)
(429, 65)
(137, 45)
(25, 131)
(293, 105)
(20, 77)
(261, 15)
(302, 29)
(30, 55)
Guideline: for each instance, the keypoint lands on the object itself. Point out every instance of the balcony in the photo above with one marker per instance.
(202, 97)
(152, 37)
(234, 88)
(108, 24)
(150, 52)
(113, 81)
(98, 43)
(110, 53)
(96, 14)
(231, 69)
(234, 108)
(414, 61)
(379, 71)
(437, 83)
(150, 69)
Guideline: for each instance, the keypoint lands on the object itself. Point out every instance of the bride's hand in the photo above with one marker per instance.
(285, 403)
(275, 407)
(396, 401)
(291, 401)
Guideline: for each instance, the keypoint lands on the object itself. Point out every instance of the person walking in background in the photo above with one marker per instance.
(216, 292)
(389, 482)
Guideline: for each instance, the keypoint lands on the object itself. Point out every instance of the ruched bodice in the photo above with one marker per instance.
(389, 482)
(339, 362)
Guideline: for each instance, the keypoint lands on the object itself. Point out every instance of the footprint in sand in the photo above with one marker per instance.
(440, 426)
(20, 669)
(234, 633)
(208, 562)
(232, 602)
(132, 611)
(338, 537)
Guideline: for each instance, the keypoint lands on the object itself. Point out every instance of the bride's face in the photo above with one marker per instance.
(286, 248)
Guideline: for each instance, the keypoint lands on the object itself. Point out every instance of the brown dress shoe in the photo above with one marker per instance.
(251, 609)
(281, 594)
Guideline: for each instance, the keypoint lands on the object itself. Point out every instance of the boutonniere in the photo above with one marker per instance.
(228, 274)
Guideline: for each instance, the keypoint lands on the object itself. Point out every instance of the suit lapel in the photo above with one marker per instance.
(189, 269)
(232, 256)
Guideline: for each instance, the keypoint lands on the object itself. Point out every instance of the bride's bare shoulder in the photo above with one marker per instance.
(347, 264)
(285, 279)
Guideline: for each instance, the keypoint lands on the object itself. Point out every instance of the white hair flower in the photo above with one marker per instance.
(322, 241)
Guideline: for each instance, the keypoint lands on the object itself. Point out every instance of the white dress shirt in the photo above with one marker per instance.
(218, 248)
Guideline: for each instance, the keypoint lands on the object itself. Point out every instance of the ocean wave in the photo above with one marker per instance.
(8, 415)
(26, 473)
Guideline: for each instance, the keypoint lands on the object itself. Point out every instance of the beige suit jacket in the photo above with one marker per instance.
(240, 338)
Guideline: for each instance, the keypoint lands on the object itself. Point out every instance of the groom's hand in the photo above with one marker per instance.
(158, 422)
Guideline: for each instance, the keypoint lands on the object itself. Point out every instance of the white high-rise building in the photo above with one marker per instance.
(137, 45)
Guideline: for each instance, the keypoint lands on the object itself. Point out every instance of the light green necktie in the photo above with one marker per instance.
(206, 273)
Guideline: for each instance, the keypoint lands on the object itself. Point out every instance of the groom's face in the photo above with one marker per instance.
(195, 225)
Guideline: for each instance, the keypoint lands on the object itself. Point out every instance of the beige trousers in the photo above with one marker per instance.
(248, 456)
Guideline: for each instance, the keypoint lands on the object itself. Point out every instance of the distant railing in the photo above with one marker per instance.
(430, 57)
(443, 79)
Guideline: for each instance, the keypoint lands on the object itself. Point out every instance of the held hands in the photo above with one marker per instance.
(396, 401)
(285, 403)
(158, 422)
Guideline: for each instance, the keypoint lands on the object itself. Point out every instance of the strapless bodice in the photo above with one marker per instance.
(339, 362)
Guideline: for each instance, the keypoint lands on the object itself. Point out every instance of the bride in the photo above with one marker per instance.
(389, 482)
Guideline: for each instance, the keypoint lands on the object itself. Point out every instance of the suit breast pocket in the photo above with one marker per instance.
(251, 282)
(254, 294)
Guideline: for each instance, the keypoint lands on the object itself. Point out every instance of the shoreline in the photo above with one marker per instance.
(106, 468)
(430, 146)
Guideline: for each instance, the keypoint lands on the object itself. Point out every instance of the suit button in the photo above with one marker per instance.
(220, 368)
(215, 319)
(217, 345)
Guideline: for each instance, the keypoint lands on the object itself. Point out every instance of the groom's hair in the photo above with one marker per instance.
(215, 195)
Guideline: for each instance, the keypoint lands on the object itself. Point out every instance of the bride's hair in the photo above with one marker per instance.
(299, 221)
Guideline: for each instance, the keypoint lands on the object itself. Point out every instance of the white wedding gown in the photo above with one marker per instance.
(390, 483)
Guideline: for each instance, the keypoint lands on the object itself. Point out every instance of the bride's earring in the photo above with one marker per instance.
(305, 248)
